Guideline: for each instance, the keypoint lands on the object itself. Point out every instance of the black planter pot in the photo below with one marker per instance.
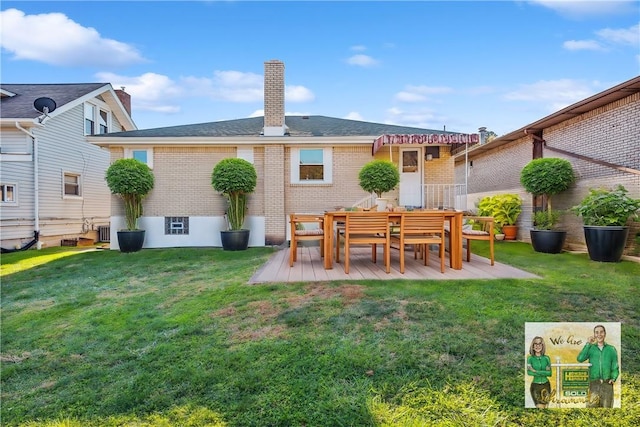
(548, 241)
(605, 244)
(130, 240)
(235, 240)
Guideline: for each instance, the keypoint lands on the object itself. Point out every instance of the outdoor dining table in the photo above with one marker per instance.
(455, 219)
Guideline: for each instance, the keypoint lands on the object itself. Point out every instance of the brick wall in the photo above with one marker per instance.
(273, 93)
(610, 133)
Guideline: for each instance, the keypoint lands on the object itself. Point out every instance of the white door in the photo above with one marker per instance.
(410, 177)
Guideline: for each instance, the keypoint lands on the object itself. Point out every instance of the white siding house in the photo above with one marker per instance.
(52, 179)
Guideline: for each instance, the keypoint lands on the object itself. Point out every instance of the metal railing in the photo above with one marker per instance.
(435, 196)
(445, 196)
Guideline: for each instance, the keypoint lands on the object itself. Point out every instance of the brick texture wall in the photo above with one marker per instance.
(610, 133)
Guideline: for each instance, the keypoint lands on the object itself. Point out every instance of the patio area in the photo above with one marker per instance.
(310, 268)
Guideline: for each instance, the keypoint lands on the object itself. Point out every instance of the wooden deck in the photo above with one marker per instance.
(309, 268)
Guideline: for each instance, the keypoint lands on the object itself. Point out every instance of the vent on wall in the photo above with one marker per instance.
(104, 233)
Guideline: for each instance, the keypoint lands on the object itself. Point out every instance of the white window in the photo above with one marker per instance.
(89, 119)
(145, 155)
(311, 166)
(9, 194)
(71, 185)
(96, 119)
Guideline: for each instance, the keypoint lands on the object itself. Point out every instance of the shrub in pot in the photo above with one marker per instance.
(379, 176)
(547, 177)
(505, 210)
(604, 213)
(235, 178)
(131, 180)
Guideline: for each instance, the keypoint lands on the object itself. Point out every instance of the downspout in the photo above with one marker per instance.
(36, 187)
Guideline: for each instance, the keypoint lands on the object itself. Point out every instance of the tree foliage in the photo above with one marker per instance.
(132, 180)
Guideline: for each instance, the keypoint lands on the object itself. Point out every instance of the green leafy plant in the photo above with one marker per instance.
(235, 178)
(504, 208)
(546, 220)
(547, 177)
(379, 176)
(132, 180)
(604, 207)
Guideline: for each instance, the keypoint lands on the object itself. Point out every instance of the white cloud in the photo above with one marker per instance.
(625, 36)
(420, 118)
(156, 92)
(584, 8)
(55, 39)
(556, 94)
(420, 93)
(354, 115)
(622, 36)
(405, 96)
(298, 94)
(362, 61)
(149, 91)
(582, 45)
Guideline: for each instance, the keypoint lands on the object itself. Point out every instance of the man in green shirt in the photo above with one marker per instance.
(603, 371)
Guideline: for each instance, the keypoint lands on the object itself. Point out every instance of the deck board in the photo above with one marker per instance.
(309, 268)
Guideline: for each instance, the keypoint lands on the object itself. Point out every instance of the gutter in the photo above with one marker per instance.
(36, 190)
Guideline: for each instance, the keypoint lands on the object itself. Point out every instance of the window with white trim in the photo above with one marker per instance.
(96, 119)
(71, 185)
(311, 166)
(145, 155)
(9, 194)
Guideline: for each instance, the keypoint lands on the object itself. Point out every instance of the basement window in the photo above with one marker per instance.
(176, 225)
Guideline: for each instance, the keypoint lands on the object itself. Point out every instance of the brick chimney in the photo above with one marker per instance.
(125, 99)
(274, 98)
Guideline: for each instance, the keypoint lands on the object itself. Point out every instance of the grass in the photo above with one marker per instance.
(176, 337)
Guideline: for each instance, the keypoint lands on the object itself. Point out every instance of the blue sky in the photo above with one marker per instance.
(457, 65)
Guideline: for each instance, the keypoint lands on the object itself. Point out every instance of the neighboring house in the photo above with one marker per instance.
(305, 164)
(600, 136)
(52, 179)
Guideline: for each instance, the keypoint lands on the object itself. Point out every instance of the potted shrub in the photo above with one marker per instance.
(505, 210)
(379, 176)
(131, 180)
(235, 178)
(604, 214)
(547, 177)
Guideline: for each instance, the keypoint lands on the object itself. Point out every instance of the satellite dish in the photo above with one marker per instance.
(44, 105)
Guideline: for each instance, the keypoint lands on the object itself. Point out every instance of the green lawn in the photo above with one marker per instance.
(175, 337)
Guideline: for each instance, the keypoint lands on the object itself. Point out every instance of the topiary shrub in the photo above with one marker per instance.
(547, 177)
(379, 176)
(235, 178)
(132, 180)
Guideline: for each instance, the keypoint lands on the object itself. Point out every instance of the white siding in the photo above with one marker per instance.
(15, 142)
(63, 148)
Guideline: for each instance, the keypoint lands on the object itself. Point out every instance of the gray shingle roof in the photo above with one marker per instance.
(20, 106)
(298, 126)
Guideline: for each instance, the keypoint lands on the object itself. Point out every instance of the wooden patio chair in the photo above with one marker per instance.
(367, 228)
(421, 229)
(485, 232)
(300, 233)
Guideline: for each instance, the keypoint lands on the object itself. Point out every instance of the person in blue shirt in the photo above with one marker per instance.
(539, 367)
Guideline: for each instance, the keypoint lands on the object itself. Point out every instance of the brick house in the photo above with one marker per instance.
(184, 210)
(599, 135)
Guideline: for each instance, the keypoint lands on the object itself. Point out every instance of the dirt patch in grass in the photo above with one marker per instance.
(348, 293)
(257, 323)
(14, 358)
